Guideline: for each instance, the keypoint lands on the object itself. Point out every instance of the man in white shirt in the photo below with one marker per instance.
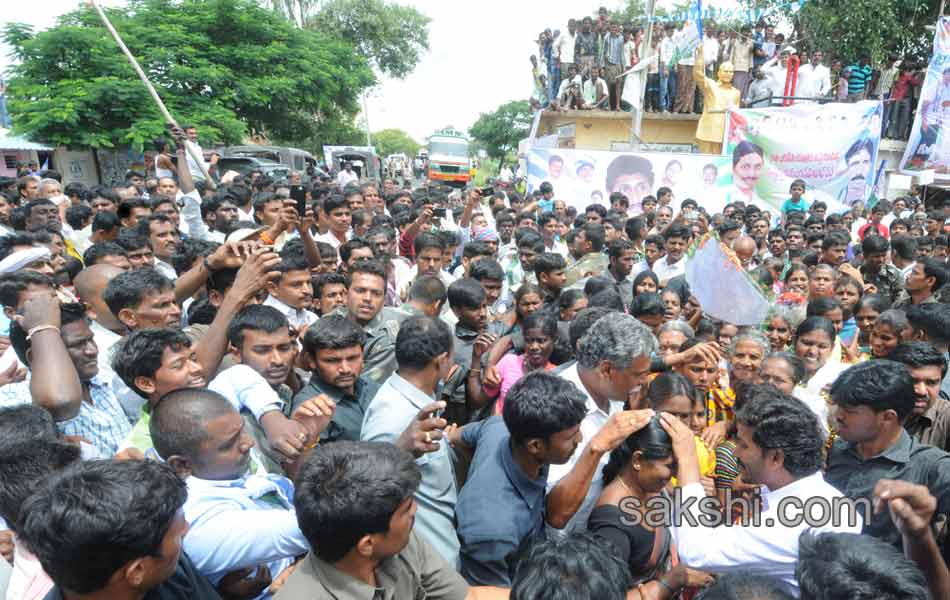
(347, 175)
(814, 79)
(613, 361)
(710, 51)
(292, 294)
(779, 446)
(568, 97)
(667, 73)
(677, 238)
(564, 46)
(192, 141)
(596, 93)
(777, 73)
(336, 212)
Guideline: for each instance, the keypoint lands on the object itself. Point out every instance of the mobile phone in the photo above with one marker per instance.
(486, 191)
(438, 212)
(299, 194)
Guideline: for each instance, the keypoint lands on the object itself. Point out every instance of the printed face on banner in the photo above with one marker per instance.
(581, 178)
(832, 147)
(929, 144)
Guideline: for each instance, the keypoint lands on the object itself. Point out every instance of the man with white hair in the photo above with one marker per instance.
(613, 361)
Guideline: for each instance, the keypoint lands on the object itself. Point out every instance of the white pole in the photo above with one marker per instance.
(151, 90)
(369, 139)
(644, 50)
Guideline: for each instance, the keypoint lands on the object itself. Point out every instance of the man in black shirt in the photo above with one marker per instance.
(873, 399)
(333, 353)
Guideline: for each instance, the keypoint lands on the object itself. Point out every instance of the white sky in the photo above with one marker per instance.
(478, 57)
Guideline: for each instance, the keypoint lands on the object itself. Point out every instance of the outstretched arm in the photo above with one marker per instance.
(699, 73)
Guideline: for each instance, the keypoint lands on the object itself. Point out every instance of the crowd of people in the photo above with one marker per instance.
(583, 68)
(209, 389)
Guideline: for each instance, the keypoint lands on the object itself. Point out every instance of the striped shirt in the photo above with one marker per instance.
(860, 77)
(101, 422)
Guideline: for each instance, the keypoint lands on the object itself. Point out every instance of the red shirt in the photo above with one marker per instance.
(903, 84)
(884, 231)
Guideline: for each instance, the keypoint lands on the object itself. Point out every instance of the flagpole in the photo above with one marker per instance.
(644, 51)
(151, 90)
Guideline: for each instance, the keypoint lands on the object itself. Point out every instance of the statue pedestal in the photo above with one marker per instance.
(709, 147)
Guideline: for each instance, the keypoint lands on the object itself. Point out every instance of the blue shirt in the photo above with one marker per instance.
(789, 205)
(242, 523)
(499, 508)
(396, 404)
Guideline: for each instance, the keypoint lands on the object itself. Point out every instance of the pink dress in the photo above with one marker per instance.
(510, 369)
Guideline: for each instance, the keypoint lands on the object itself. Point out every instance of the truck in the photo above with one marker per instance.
(449, 161)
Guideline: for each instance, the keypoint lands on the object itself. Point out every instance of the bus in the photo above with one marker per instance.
(449, 160)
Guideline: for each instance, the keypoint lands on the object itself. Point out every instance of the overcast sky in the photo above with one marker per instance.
(478, 57)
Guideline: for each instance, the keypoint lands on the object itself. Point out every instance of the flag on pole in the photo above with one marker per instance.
(724, 289)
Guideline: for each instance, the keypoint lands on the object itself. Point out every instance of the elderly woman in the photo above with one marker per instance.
(745, 355)
(671, 336)
(784, 370)
(781, 323)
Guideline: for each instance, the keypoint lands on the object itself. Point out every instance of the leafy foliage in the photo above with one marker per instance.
(500, 131)
(227, 66)
(852, 28)
(392, 36)
(845, 29)
(394, 141)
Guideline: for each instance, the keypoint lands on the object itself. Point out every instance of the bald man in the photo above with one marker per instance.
(238, 519)
(106, 329)
(745, 248)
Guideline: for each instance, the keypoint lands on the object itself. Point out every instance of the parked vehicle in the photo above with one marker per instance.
(294, 159)
(245, 164)
(365, 162)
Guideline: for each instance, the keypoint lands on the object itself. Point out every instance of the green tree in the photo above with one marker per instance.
(392, 36)
(848, 29)
(229, 66)
(394, 141)
(500, 131)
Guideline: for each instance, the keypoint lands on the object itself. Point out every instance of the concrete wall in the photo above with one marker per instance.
(601, 130)
(77, 166)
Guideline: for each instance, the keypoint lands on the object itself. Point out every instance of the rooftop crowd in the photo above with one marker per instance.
(217, 391)
(584, 66)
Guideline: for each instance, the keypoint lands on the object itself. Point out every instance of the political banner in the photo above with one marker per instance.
(832, 147)
(929, 144)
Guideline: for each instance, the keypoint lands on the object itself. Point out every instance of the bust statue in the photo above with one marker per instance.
(718, 96)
